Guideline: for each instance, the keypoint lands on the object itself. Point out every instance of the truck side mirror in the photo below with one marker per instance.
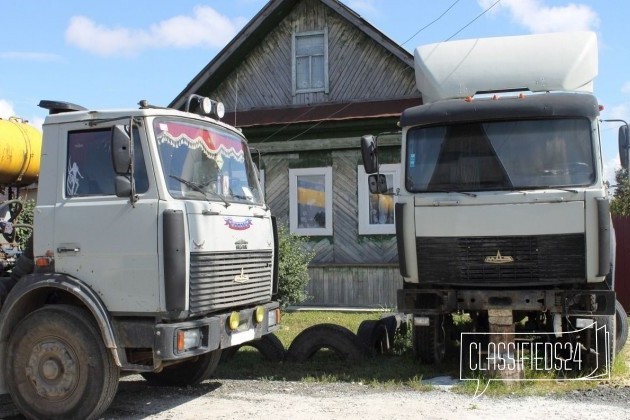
(121, 150)
(377, 184)
(624, 146)
(369, 154)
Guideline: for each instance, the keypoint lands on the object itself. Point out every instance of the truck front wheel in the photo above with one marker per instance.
(190, 372)
(58, 367)
(429, 342)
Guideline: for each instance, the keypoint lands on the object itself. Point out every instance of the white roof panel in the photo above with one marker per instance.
(562, 61)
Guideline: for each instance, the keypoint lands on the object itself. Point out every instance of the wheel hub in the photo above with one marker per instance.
(52, 369)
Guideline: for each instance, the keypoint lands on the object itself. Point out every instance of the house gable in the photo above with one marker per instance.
(363, 65)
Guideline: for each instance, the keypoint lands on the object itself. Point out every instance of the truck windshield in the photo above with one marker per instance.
(206, 162)
(502, 155)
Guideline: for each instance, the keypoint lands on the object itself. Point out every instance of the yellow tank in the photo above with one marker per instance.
(20, 152)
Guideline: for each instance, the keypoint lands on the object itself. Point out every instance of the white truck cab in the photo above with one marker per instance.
(153, 250)
(503, 205)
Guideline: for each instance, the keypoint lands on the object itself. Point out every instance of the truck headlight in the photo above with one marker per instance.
(188, 339)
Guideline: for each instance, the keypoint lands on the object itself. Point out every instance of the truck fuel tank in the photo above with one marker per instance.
(20, 152)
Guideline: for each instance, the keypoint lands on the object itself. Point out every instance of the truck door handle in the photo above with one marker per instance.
(64, 249)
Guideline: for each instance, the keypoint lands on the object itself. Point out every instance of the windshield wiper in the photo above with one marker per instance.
(200, 188)
(469, 194)
(549, 187)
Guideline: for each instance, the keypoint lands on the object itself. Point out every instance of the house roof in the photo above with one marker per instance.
(263, 23)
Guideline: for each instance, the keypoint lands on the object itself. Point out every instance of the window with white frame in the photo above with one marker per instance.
(310, 62)
(310, 201)
(376, 211)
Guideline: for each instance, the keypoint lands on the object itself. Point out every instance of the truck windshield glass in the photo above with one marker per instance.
(503, 155)
(216, 161)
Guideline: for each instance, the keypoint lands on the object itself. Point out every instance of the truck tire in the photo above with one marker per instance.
(374, 336)
(622, 326)
(191, 372)
(343, 342)
(269, 346)
(429, 343)
(57, 365)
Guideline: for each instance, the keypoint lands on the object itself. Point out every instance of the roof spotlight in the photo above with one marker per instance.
(206, 106)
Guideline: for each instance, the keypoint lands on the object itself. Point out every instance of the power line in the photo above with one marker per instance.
(471, 22)
(430, 23)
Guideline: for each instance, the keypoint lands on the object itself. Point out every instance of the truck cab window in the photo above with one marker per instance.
(501, 155)
(89, 169)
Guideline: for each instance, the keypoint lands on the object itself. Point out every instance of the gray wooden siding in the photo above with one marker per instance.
(346, 246)
(359, 68)
(370, 286)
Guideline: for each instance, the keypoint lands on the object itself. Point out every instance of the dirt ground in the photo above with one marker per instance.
(258, 399)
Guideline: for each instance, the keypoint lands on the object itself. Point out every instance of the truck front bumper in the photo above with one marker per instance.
(183, 340)
(565, 302)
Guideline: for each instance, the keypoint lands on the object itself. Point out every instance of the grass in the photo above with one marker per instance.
(398, 371)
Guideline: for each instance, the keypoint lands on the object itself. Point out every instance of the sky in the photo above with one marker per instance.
(112, 54)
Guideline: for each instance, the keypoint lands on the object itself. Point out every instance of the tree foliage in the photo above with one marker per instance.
(620, 204)
(294, 257)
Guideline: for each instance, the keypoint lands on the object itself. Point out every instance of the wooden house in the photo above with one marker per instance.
(304, 80)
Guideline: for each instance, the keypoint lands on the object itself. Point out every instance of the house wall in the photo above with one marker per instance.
(359, 68)
(348, 269)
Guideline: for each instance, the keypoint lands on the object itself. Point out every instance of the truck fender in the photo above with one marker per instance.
(33, 291)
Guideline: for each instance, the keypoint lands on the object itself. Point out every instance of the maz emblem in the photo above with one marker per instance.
(241, 244)
(498, 259)
(241, 278)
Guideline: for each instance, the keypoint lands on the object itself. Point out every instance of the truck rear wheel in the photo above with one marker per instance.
(58, 367)
(429, 342)
(191, 372)
(622, 326)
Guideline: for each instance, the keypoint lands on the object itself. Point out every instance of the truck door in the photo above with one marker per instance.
(102, 239)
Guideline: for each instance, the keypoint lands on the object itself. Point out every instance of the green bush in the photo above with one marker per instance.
(294, 257)
(620, 204)
(26, 218)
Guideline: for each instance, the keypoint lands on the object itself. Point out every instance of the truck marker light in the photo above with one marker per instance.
(42, 261)
(273, 317)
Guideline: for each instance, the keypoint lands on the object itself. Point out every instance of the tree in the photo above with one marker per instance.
(620, 204)
(294, 258)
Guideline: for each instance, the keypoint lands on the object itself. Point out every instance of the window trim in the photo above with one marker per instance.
(294, 87)
(365, 228)
(293, 203)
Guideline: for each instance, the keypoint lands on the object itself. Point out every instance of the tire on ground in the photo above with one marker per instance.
(622, 326)
(57, 365)
(269, 346)
(343, 342)
(190, 372)
(395, 323)
(374, 336)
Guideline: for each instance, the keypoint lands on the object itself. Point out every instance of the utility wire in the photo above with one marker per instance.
(471, 22)
(430, 23)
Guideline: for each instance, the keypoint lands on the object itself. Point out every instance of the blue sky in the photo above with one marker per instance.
(111, 54)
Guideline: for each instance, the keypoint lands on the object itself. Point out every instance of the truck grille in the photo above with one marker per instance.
(212, 279)
(537, 260)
